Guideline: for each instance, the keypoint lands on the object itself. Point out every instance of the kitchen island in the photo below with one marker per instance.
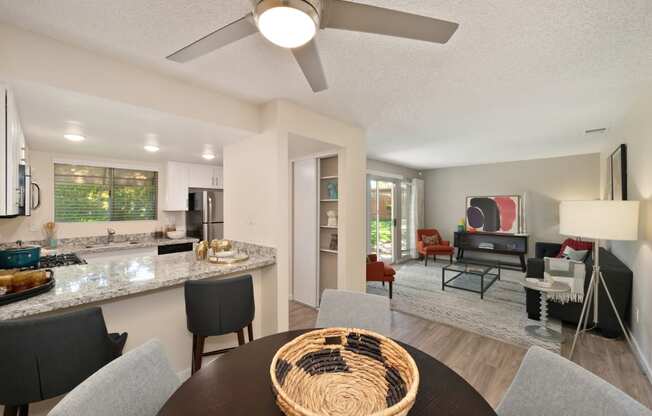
(143, 295)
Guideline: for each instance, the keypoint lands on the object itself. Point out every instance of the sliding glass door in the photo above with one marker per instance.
(381, 219)
(388, 218)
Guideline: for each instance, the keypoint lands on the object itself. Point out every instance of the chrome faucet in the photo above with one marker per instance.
(110, 234)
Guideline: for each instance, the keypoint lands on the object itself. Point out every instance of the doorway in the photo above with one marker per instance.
(382, 219)
(388, 218)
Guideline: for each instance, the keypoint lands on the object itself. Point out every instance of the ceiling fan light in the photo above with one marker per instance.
(288, 26)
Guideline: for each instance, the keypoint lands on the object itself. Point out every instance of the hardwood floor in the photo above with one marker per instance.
(490, 365)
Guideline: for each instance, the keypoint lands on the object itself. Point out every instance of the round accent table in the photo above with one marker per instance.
(542, 330)
(238, 384)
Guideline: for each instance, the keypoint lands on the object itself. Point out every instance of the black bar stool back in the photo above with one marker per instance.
(41, 358)
(218, 307)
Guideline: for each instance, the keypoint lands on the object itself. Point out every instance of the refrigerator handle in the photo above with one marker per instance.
(210, 214)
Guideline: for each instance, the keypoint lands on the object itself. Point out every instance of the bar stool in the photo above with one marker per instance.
(41, 358)
(218, 307)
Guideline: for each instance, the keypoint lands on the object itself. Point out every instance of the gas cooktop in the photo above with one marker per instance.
(58, 260)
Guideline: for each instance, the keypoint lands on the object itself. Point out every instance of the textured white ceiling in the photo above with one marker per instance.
(518, 80)
(112, 129)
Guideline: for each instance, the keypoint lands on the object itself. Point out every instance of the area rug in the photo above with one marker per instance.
(500, 315)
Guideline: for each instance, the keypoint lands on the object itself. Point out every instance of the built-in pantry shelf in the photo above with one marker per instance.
(329, 200)
(325, 178)
(331, 227)
(328, 250)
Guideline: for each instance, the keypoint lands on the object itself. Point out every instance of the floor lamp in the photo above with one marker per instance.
(599, 221)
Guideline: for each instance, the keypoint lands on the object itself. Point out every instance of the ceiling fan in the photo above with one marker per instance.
(293, 24)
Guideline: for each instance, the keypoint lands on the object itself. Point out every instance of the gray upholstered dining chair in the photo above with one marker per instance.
(341, 308)
(548, 384)
(136, 384)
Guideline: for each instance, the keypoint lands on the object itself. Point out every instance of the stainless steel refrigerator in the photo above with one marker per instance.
(205, 217)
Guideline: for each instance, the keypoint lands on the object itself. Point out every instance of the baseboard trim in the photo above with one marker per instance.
(184, 374)
(642, 361)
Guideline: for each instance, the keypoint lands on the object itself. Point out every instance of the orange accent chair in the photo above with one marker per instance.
(444, 247)
(377, 271)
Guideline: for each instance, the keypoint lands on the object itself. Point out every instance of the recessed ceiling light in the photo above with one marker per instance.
(151, 148)
(290, 25)
(74, 137)
(208, 156)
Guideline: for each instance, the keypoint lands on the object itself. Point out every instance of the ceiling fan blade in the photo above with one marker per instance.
(223, 36)
(339, 14)
(307, 57)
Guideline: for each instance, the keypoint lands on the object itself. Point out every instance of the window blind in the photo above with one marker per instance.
(91, 193)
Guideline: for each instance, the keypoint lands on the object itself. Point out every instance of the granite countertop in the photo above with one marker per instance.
(109, 279)
(87, 248)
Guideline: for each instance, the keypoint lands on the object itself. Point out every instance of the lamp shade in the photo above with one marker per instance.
(600, 220)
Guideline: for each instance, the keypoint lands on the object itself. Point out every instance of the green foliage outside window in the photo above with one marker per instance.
(92, 194)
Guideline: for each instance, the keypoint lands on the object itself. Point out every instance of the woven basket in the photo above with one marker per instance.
(343, 371)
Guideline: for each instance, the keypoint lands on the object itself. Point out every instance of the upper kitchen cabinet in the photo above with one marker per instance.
(182, 176)
(205, 176)
(12, 148)
(177, 177)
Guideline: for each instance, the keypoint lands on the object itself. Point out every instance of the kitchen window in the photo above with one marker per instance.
(99, 194)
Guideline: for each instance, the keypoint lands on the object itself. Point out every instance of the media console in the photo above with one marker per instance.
(494, 243)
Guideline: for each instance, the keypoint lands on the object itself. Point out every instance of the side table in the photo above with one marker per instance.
(542, 330)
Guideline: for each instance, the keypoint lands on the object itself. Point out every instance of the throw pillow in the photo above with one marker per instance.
(430, 240)
(575, 245)
(576, 255)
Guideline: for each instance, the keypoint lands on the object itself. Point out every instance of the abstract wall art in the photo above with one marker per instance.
(494, 214)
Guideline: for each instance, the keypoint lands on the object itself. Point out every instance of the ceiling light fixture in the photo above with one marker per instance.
(151, 148)
(287, 23)
(208, 156)
(74, 137)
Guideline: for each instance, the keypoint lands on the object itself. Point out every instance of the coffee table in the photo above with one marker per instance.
(473, 277)
(542, 331)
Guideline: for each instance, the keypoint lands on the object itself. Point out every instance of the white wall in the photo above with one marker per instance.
(251, 185)
(544, 182)
(377, 166)
(636, 132)
(31, 228)
(257, 177)
(27, 56)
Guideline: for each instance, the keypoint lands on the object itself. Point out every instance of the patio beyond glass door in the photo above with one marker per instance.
(381, 216)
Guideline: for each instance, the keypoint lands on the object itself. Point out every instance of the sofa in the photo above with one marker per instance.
(425, 250)
(618, 279)
(377, 271)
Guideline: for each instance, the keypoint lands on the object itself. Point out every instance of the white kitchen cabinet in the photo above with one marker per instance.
(219, 177)
(177, 179)
(205, 176)
(202, 176)
(11, 143)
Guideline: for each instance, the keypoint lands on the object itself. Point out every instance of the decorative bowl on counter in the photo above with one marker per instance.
(175, 235)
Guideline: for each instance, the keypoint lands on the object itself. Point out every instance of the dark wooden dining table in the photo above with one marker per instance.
(238, 383)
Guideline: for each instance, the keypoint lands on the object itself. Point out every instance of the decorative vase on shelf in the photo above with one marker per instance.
(332, 218)
(332, 190)
(333, 243)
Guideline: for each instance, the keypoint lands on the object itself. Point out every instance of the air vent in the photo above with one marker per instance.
(596, 131)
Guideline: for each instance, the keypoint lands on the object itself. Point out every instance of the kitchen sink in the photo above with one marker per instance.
(112, 244)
